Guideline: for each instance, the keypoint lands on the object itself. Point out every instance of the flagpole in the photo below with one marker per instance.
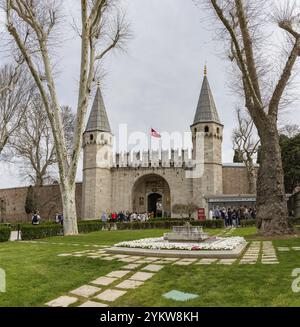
(150, 152)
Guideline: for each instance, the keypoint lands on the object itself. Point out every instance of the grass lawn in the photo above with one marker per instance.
(35, 274)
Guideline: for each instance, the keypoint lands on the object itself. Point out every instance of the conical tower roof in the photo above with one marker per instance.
(98, 120)
(206, 109)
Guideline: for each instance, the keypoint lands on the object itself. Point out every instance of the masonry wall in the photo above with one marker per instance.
(235, 180)
(124, 180)
(48, 199)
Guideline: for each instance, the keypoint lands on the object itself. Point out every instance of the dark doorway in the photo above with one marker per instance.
(155, 204)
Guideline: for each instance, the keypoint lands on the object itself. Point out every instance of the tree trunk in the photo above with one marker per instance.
(272, 212)
(69, 209)
(251, 177)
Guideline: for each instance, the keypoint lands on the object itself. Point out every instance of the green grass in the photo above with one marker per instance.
(35, 274)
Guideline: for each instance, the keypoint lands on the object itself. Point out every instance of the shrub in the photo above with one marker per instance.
(89, 226)
(4, 234)
(32, 232)
(248, 222)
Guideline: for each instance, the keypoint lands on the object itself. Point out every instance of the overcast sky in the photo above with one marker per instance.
(157, 81)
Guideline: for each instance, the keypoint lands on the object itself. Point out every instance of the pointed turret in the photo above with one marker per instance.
(98, 120)
(206, 109)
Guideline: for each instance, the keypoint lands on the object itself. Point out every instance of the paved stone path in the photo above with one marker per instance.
(102, 291)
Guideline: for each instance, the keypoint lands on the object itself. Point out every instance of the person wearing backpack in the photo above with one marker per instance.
(35, 220)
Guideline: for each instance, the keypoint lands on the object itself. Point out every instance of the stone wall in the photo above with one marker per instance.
(48, 199)
(235, 179)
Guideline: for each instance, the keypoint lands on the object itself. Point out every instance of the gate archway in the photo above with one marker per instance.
(151, 193)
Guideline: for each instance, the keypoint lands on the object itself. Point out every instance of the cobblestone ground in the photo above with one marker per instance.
(137, 270)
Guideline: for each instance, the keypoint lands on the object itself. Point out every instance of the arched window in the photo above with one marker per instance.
(218, 130)
(91, 137)
(206, 129)
(195, 130)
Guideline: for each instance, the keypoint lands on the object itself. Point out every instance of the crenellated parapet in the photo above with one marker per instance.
(153, 159)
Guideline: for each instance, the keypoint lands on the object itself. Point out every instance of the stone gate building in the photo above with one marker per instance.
(153, 181)
(145, 181)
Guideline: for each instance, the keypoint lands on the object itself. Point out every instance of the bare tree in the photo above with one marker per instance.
(290, 130)
(33, 26)
(245, 34)
(14, 99)
(247, 145)
(33, 146)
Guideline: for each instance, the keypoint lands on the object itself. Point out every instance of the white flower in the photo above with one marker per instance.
(158, 243)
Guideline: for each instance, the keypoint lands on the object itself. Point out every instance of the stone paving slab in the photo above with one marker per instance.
(182, 263)
(64, 255)
(206, 261)
(118, 273)
(131, 266)
(129, 259)
(86, 290)
(153, 267)
(163, 262)
(108, 258)
(121, 256)
(62, 301)
(141, 276)
(226, 261)
(296, 248)
(269, 262)
(283, 249)
(104, 281)
(92, 304)
(129, 284)
(110, 295)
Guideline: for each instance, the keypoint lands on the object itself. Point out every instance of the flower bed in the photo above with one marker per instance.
(158, 243)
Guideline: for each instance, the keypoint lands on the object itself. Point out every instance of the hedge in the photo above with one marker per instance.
(4, 234)
(32, 232)
(96, 225)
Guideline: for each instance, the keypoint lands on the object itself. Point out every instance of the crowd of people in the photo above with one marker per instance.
(231, 215)
(126, 216)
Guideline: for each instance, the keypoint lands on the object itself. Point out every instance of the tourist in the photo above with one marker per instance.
(104, 218)
(217, 213)
(35, 220)
(210, 214)
(224, 217)
(229, 217)
(114, 216)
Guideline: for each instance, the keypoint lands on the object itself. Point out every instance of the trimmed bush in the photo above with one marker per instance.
(89, 226)
(33, 232)
(4, 234)
(248, 222)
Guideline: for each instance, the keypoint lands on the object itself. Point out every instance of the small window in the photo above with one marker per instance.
(102, 137)
(218, 130)
(195, 130)
(91, 137)
(206, 129)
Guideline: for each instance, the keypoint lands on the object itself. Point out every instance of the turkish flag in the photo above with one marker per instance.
(154, 133)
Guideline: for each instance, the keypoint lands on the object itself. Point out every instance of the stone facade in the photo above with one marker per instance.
(140, 182)
(134, 181)
(47, 198)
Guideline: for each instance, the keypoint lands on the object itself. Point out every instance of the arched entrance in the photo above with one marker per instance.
(151, 193)
(155, 204)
